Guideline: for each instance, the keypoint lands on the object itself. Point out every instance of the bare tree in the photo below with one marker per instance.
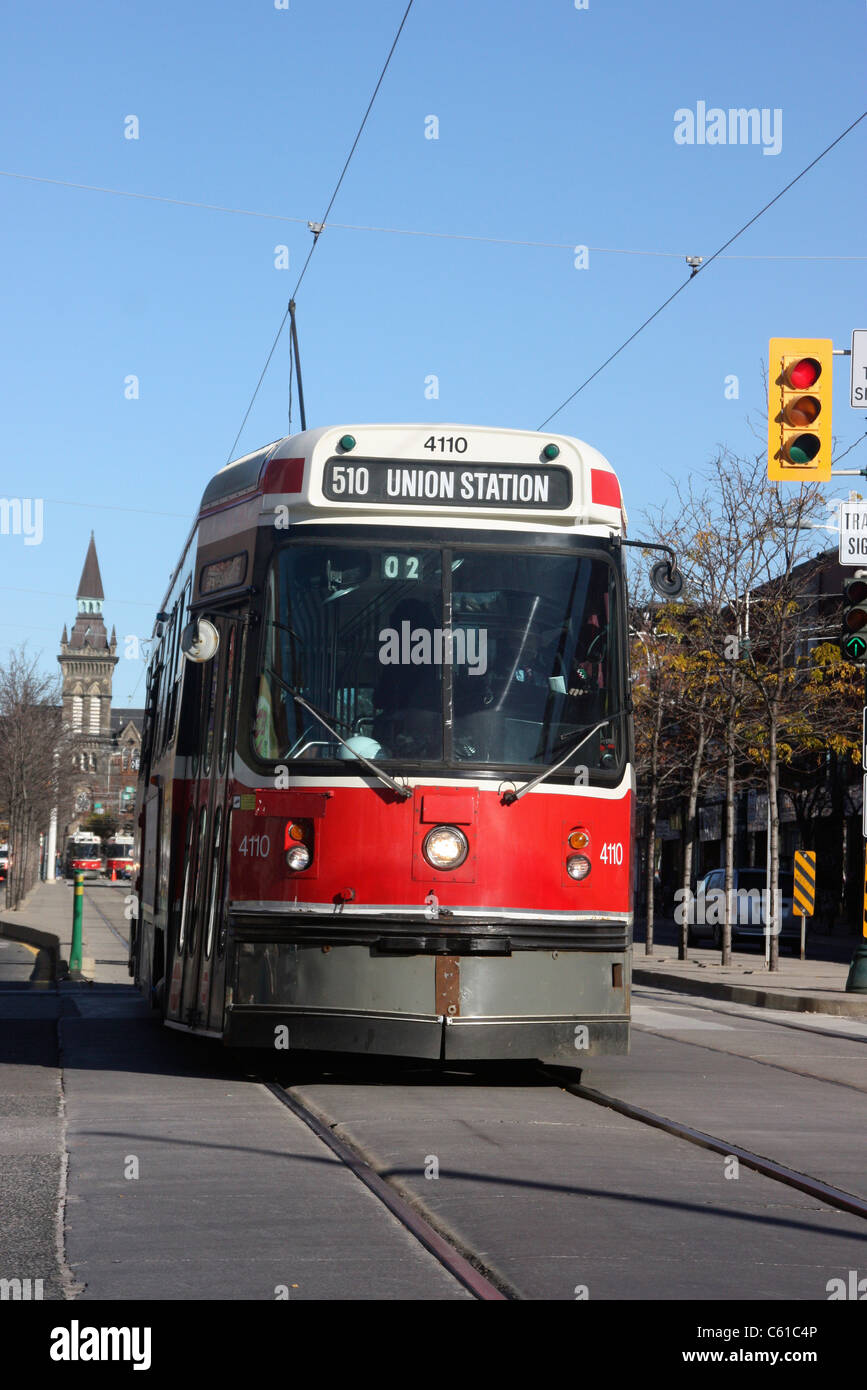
(34, 764)
(739, 539)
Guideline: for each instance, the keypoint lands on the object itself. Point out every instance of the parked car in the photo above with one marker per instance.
(748, 924)
(4, 862)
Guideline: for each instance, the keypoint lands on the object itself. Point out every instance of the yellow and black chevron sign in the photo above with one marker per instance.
(805, 882)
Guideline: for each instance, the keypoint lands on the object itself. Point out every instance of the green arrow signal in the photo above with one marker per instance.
(854, 645)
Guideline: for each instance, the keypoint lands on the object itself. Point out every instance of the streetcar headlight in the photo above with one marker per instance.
(579, 838)
(577, 866)
(445, 847)
(298, 857)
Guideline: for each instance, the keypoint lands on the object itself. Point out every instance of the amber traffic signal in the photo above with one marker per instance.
(799, 409)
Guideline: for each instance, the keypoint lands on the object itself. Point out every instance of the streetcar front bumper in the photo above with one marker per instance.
(405, 1000)
(564, 1040)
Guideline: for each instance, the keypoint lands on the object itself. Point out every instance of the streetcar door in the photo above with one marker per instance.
(212, 964)
(205, 829)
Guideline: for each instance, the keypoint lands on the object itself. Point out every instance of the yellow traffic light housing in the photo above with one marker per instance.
(799, 409)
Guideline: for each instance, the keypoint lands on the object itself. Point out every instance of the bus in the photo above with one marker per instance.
(84, 852)
(386, 787)
(119, 857)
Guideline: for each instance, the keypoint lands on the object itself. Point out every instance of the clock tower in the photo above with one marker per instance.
(87, 661)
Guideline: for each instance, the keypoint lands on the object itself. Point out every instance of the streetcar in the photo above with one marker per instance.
(119, 858)
(386, 786)
(84, 853)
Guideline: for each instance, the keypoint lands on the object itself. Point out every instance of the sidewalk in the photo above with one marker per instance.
(44, 919)
(806, 986)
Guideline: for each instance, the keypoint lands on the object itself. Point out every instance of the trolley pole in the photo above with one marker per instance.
(77, 914)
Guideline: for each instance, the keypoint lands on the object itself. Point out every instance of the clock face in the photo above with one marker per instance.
(82, 801)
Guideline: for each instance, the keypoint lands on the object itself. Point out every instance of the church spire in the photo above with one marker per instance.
(90, 584)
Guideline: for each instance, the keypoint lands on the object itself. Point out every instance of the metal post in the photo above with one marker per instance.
(51, 852)
(769, 900)
(77, 915)
(856, 982)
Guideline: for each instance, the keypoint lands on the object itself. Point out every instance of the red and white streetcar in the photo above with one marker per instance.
(119, 857)
(386, 785)
(84, 852)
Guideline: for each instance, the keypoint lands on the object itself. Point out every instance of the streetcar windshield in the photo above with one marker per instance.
(85, 849)
(528, 661)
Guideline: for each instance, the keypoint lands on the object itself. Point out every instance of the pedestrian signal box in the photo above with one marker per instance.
(799, 409)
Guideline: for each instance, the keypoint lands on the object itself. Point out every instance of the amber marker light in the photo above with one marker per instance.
(579, 838)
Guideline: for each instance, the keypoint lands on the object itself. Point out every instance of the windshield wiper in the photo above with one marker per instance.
(509, 798)
(377, 771)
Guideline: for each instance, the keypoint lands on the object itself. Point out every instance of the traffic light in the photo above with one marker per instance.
(853, 639)
(799, 409)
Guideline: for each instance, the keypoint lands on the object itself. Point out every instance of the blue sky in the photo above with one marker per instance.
(556, 125)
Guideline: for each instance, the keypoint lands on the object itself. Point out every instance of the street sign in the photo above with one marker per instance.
(804, 890)
(858, 379)
(853, 532)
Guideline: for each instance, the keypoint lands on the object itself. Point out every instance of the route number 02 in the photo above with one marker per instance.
(612, 853)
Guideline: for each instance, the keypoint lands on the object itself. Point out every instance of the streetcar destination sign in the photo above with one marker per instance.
(447, 484)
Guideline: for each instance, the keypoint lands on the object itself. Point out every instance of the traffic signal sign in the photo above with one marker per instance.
(799, 409)
(853, 640)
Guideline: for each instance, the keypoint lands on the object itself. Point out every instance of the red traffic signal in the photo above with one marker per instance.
(803, 373)
(799, 409)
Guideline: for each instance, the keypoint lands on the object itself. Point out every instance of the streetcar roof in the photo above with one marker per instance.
(295, 471)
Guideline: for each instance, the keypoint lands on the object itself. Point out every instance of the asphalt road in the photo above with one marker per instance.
(188, 1180)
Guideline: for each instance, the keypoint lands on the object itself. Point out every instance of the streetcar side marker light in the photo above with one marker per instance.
(347, 443)
(445, 847)
(578, 866)
(551, 451)
(293, 832)
(579, 838)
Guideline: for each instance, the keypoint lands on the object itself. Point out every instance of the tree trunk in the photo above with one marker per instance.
(652, 807)
(689, 837)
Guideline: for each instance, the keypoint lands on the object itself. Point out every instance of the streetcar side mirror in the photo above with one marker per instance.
(200, 640)
(665, 579)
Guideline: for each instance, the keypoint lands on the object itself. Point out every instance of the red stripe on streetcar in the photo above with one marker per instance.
(283, 475)
(604, 488)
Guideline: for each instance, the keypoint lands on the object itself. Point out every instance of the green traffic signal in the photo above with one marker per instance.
(854, 646)
(853, 639)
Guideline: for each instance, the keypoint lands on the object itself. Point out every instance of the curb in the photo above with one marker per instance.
(44, 941)
(799, 1002)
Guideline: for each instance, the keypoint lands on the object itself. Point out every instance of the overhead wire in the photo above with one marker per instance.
(318, 227)
(696, 271)
(410, 231)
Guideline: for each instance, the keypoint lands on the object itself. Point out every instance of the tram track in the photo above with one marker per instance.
(463, 1264)
(124, 941)
(392, 1183)
(767, 1167)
